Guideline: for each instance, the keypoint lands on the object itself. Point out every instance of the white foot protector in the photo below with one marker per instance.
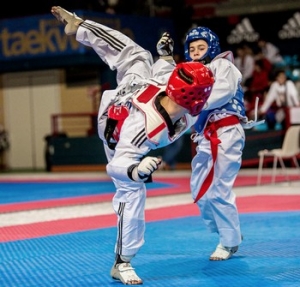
(223, 253)
(71, 20)
(125, 273)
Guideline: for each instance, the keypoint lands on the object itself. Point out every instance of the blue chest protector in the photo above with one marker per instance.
(234, 107)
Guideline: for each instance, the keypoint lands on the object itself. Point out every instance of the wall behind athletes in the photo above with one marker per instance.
(45, 72)
(39, 43)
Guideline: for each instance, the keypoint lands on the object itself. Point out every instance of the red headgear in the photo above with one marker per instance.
(190, 85)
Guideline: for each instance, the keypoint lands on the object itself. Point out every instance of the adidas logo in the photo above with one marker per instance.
(243, 32)
(291, 29)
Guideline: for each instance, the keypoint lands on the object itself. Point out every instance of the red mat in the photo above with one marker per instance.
(181, 186)
(265, 203)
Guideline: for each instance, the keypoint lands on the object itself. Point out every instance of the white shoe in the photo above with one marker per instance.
(223, 253)
(71, 20)
(126, 274)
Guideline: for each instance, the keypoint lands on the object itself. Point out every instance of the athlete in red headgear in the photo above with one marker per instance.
(146, 111)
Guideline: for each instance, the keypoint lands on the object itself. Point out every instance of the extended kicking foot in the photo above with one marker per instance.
(125, 273)
(223, 253)
(71, 20)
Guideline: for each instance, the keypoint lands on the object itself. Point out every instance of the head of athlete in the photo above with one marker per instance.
(190, 85)
(201, 44)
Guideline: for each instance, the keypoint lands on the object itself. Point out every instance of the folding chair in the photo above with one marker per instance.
(289, 150)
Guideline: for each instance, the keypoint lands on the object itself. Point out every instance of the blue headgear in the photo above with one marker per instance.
(203, 33)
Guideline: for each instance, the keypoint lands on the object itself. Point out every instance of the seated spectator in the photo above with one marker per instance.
(258, 86)
(270, 51)
(267, 65)
(282, 94)
(245, 63)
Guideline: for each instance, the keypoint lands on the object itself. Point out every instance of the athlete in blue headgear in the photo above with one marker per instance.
(220, 141)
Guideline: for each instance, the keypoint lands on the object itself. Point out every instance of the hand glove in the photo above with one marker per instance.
(165, 45)
(145, 168)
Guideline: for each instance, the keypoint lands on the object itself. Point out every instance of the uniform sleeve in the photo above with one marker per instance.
(227, 79)
(131, 147)
(270, 98)
(293, 94)
(162, 70)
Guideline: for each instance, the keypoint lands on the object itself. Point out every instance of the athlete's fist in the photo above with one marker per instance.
(143, 170)
(165, 45)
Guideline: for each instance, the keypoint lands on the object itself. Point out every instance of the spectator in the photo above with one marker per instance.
(244, 61)
(270, 51)
(4, 145)
(267, 65)
(282, 93)
(258, 86)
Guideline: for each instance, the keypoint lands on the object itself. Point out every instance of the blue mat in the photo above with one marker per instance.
(175, 254)
(11, 192)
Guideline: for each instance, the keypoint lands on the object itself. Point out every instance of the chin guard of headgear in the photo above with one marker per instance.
(190, 85)
(206, 60)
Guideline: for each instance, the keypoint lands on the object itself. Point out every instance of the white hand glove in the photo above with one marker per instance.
(145, 168)
(165, 45)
